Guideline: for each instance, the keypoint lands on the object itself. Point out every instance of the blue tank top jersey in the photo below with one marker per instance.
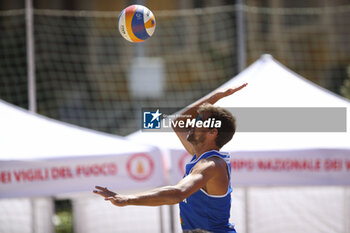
(204, 211)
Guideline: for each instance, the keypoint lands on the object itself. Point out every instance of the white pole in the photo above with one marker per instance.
(30, 56)
(161, 224)
(241, 64)
(172, 219)
(346, 210)
(31, 80)
(241, 46)
(33, 214)
(246, 209)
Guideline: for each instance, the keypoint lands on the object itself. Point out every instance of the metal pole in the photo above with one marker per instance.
(346, 210)
(246, 209)
(30, 56)
(31, 80)
(241, 64)
(171, 216)
(161, 224)
(33, 214)
(241, 46)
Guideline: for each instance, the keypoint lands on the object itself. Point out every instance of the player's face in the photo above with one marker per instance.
(197, 135)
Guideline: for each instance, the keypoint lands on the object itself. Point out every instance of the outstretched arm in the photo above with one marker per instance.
(191, 112)
(167, 195)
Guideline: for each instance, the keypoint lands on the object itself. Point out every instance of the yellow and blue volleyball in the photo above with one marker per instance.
(136, 23)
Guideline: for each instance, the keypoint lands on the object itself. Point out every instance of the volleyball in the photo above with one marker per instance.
(136, 23)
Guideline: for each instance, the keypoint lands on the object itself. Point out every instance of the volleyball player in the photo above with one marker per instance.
(204, 193)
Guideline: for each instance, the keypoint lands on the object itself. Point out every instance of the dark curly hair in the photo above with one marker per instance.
(228, 122)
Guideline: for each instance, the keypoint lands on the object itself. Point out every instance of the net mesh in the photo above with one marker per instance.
(13, 71)
(83, 65)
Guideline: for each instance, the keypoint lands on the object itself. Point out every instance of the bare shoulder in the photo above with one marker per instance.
(214, 169)
(211, 165)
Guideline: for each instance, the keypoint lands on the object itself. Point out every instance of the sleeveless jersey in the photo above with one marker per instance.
(204, 211)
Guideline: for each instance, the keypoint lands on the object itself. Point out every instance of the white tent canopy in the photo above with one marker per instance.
(277, 209)
(275, 158)
(40, 156)
(258, 210)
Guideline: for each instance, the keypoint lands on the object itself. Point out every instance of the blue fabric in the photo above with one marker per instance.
(203, 211)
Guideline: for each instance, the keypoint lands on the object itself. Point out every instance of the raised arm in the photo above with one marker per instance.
(191, 112)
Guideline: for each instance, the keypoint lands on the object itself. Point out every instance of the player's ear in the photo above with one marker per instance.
(213, 131)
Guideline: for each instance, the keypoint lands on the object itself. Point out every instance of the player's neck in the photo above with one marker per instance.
(201, 149)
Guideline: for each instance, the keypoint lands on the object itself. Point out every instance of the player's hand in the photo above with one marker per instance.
(114, 198)
(230, 91)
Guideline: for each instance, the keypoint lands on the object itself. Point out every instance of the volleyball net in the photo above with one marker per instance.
(88, 75)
